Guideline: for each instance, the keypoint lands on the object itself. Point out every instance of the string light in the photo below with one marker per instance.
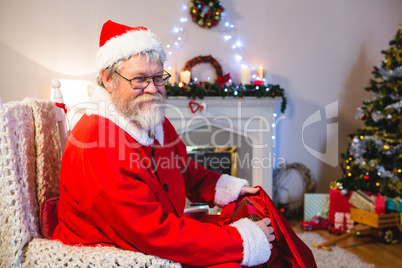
(227, 28)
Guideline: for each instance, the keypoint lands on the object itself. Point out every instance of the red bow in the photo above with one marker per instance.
(61, 105)
(223, 79)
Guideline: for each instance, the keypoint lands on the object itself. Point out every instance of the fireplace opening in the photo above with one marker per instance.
(219, 159)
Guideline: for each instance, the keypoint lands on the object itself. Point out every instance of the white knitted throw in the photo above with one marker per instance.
(30, 159)
(19, 209)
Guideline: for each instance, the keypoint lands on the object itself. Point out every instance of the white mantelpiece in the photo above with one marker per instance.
(250, 117)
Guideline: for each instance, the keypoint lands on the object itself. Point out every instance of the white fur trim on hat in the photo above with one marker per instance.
(256, 248)
(126, 45)
(227, 189)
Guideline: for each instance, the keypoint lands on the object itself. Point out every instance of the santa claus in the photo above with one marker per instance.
(114, 190)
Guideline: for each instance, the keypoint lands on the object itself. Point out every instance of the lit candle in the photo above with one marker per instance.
(185, 76)
(260, 73)
(172, 72)
(245, 76)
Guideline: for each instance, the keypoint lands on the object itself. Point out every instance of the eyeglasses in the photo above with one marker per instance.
(141, 82)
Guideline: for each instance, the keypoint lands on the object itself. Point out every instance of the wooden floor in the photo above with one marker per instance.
(368, 248)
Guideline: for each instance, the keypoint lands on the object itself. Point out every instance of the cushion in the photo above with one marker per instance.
(48, 217)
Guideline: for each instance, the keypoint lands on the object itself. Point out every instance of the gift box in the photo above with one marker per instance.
(362, 201)
(315, 205)
(379, 205)
(343, 221)
(338, 203)
(393, 204)
(348, 221)
(246, 209)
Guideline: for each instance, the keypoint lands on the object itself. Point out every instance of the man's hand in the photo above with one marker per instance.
(248, 190)
(264, 224)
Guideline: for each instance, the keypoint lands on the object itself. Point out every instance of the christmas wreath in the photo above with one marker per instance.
(206, 13)
(209, 59)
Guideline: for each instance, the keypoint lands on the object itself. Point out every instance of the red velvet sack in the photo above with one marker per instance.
(288, 249)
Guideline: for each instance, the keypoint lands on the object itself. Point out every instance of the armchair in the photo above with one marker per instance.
(30, 160)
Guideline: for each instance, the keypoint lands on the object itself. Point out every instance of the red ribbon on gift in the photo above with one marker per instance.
(223, 79)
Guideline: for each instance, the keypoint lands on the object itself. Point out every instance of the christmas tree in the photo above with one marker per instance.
(373, 161)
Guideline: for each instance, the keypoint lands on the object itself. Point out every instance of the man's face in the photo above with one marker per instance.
(143, 107)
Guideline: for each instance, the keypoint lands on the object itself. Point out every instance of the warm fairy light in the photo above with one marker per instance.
(399, 170)
(347, 161)
(361, 137)
(350, 158)
(349, 174)
(377, 184)
(348, 167)
(181, 84)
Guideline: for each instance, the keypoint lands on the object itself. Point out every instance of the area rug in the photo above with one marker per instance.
(336, 258)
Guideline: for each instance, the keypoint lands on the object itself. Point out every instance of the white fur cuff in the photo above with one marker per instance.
(228, 189)
(256, 248)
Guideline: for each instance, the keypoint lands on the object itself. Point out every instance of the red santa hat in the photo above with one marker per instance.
(118, 42)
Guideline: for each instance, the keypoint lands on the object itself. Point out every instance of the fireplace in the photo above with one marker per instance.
(244, 124)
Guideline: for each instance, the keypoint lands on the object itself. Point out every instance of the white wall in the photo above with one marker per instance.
(319, 51)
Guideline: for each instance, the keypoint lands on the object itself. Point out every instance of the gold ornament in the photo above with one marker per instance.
(386, 147)
(335, 185)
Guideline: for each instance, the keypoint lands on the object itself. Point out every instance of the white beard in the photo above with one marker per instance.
(145, 111)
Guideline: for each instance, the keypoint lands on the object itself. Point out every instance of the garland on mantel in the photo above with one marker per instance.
(207, 89)
(221, 88)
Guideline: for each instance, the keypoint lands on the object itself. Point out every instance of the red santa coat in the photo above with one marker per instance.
(114, 191)
(119, 187)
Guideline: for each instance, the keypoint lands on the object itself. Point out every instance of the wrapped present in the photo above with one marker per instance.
(315, 205)
(288, 249)
(349, 222)
(339, 220)
(379, 205)
(338, 203)
(393, 204)
(362, 201)
(343, 221)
